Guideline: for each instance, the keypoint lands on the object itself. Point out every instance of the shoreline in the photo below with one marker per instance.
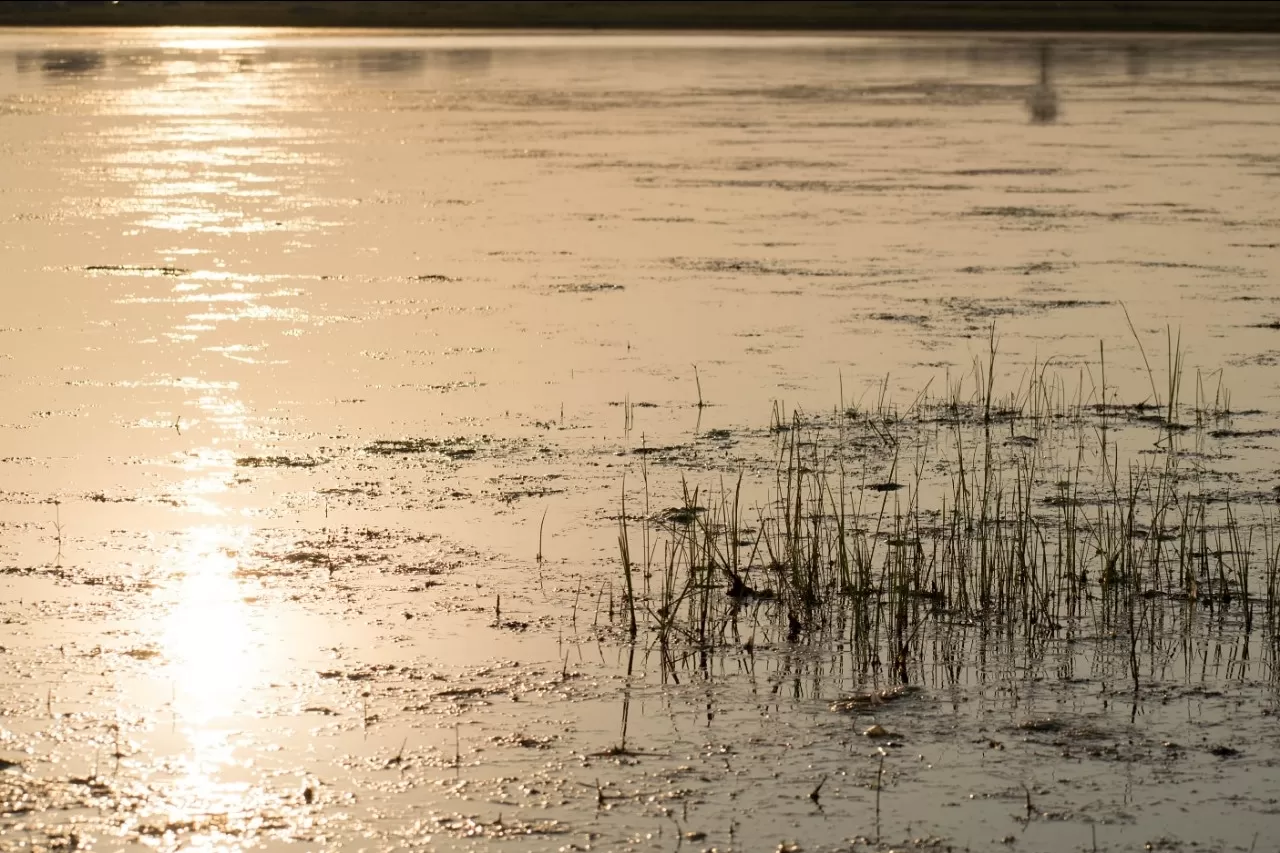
(1079, 16)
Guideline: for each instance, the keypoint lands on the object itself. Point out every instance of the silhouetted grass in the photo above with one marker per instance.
(1020, 513)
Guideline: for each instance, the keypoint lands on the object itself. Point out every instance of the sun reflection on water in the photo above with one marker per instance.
(207, 637)
(209, 38)
(209, 149)
(213, 661)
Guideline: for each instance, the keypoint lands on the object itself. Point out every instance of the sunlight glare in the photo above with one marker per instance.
(207, 638)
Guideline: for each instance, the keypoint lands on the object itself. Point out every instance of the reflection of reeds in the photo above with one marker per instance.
(1020, 510)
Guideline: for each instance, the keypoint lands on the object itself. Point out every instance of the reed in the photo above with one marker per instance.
(1031, 511)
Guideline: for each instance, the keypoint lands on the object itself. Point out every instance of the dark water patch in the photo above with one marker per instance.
(279, 462)
(750, 266)
(754, 164)
(1262, 359)
(511, 496)
(455, 448)
(1215, 269)
(659, 451)
(441, 387)
(145, 271)
(885, 123)
(1017, 212)
(913, 319)
(529, 154)
(1038, 190)
(1070, 303)
(1032, 268)
(371, 489)
(103, 497)
(430, 568)
(803, 185)
(680, 514)
(973, 310)
(588, 287)
(903, 94)
(1043, 172)
(1244, 433)
(1271, 324)
(294, 558)
(635, 165)
(1041, 267)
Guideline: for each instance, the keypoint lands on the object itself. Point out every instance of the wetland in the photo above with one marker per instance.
(438, 441)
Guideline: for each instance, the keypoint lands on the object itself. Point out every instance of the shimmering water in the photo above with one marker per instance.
(313, 341)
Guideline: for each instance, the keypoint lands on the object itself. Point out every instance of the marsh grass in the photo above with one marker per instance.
(1043, 512)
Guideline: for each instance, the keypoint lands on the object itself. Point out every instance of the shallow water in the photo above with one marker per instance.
(314, 344)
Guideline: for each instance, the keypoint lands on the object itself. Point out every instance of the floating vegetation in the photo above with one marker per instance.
(278, 462)
(873, 700)
(453, 448)
(749, 266)
(589, 287)
(656, 451)
(681, 514)
(125, 269)
(1016, 212)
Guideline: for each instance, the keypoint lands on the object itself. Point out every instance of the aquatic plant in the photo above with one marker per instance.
(1041, 513)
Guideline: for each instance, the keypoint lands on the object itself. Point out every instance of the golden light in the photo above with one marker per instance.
(207, 640)
(208, 38)
(212, 144)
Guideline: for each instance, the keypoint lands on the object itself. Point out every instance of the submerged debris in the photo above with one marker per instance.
(1041, 724)
(681, 514)
(873, 700)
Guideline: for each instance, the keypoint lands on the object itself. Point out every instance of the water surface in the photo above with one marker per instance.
(314, 342)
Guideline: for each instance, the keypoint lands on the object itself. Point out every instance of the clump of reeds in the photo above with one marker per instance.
(1021, 511)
